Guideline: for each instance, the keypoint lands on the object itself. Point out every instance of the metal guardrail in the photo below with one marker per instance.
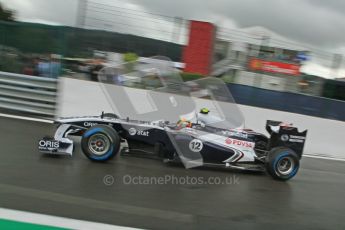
(34, 96)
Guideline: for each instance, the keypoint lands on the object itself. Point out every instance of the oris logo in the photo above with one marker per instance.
(89, 124)
(246, 144)
(49, 144)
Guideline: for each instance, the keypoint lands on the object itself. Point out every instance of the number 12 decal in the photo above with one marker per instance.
(196, 145)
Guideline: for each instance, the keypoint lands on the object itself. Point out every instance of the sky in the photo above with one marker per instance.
(318, 25)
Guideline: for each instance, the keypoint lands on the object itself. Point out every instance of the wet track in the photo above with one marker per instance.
(74, 187)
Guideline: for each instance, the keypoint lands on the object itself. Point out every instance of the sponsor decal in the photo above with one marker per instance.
(230, 141)
(190, 131)
(237, 134)
(133, 132)
(196, 145)
(89, 124)
(274, 67)
(297, 139)
(143, 133)
(284, 137)
(48, 144)
(292, 138)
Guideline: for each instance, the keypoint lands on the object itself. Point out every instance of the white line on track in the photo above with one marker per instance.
(62, 222)
(323, 157)
(25, 118)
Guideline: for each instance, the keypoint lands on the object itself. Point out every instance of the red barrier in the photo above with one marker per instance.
(198, 54)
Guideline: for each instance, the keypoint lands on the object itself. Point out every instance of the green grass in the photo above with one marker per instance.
(14, 225)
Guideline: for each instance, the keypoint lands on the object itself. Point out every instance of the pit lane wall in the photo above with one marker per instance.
(289, 101)
(325, 137)
(27, 95)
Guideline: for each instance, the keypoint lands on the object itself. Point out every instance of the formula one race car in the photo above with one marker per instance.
(191, 143)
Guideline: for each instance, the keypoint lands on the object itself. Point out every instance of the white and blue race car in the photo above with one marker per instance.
(194, 144)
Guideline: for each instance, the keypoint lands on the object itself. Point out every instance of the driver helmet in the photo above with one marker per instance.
(204, 111)
(184, 123)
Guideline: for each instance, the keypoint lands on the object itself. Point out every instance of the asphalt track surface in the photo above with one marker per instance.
(74, 187)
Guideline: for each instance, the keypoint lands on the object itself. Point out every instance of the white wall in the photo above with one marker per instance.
(325, 137)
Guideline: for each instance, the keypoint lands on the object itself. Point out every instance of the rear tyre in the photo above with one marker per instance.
(100, 143)
(282, 163)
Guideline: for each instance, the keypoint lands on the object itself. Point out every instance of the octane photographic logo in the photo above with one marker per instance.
(170, 179)
(167, 97)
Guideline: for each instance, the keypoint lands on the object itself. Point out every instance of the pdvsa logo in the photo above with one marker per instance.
(246, 144)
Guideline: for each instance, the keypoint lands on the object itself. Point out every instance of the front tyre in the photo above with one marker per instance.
(100, 143)
(282, 163)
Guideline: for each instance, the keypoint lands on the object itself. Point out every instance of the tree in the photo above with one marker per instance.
(5, 14)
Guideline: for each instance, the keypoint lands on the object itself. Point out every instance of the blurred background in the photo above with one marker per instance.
(277, 57)
(281, 60)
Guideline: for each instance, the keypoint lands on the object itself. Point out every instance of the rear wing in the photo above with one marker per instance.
(285, 135)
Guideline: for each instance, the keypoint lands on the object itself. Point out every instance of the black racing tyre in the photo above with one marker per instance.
(282, 163)
(100, 143)
(110, 115)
